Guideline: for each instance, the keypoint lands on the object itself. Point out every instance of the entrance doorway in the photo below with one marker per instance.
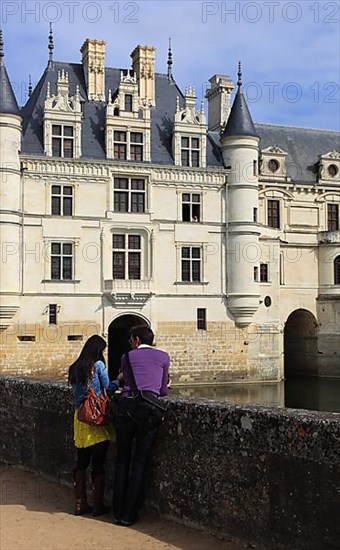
(300, 344)
(118, 340)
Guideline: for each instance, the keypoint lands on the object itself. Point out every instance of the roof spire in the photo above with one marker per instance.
(239, 122)
(50, 47)
(29, 85)
(2, 54)
(239, 74)
(170, 77)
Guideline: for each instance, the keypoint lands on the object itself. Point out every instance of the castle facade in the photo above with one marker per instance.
(123, 202)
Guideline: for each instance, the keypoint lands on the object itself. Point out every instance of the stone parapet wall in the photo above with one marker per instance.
(265, 475)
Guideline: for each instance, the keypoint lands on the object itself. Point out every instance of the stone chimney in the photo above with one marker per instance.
(93, 59)
(218, 97)
(143, 64)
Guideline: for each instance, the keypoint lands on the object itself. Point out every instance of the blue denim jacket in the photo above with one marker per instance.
(100, 380)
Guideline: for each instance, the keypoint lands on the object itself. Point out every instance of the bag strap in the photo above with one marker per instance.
(132, 376)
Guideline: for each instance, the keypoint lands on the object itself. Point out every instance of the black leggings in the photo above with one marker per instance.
(97, 453)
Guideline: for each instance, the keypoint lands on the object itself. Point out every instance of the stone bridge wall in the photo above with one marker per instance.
(260, 474)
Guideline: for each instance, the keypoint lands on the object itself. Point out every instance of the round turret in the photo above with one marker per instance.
(240, 149)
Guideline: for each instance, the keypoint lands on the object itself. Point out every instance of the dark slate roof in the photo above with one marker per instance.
(8, 103)
(303, 145)
(93, 129)
(239, 122)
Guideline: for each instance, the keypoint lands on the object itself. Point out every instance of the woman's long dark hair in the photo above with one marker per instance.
(80, 371)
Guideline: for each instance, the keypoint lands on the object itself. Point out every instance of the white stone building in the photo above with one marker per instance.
(122, 203)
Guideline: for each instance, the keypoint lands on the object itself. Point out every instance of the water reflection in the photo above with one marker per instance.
(318, 394)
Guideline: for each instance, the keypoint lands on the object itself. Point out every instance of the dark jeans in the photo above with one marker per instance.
(133, 448)
(97, 453)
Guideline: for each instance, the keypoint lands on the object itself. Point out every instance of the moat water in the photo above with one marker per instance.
(319, 394)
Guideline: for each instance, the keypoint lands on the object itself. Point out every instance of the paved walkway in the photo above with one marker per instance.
(36, 514)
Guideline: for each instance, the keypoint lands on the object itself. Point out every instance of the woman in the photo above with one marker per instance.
(91, 441)
(151, 371)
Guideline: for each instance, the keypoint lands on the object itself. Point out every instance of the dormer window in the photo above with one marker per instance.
(120, 145)
(136, 146)
(62, 141)
(62, 120)
(128, 102)
(190, 151)
(329, 167)
(128, 122)
(273, 165)
(189, 142)
(332, 170)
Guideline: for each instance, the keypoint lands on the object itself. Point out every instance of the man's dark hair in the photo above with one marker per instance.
(144, 333)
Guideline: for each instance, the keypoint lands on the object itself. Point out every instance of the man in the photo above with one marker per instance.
(150, 367)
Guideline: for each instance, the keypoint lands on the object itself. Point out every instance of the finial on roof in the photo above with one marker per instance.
(2, 54)
(29, 85)
(239, 74)
(50, 47)
(170, 77)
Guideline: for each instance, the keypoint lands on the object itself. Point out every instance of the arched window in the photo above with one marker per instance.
(337, 270)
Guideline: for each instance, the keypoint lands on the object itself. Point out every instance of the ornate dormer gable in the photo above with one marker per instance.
(62, 120)
(329, 168)
(273, 164)
(128, 122)
(189, 142)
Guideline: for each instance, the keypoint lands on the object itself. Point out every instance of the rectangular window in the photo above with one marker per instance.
(129, 195)
(119, 145)
(256, 274)
(126, 257)
(274, 214)
(332, 217)
(191, 264)
(136, 146)
(190, 151)
(128, 102)
(263, 273)
(337, 270)
(255, 215)
(62, 141)
(61, 200)
(201, 319)
(52, 314)
(191, 207)
(61, 261)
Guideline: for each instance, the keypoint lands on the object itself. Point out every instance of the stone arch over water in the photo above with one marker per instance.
(300, 344)
(118, 338)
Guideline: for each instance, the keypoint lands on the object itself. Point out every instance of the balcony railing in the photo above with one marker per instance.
(126, 285)
(329, 237)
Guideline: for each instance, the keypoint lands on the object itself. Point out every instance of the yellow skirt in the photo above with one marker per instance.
(86, 435)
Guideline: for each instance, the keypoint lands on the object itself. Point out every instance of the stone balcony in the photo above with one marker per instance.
(128, 292)
(329, 237)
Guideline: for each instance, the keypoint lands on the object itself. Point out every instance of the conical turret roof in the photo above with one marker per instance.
(239, 122)
(8, 102)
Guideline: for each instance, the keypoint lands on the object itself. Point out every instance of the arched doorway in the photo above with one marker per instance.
(300, 344)
(118, 339)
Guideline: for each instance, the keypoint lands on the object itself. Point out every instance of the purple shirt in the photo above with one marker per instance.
(151, 369)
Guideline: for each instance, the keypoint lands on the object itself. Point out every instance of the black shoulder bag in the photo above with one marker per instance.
(143, 407)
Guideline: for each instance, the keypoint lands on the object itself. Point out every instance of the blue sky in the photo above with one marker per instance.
(290, 51)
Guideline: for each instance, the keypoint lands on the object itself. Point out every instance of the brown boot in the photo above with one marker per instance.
(81, 505)
(99, 509)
